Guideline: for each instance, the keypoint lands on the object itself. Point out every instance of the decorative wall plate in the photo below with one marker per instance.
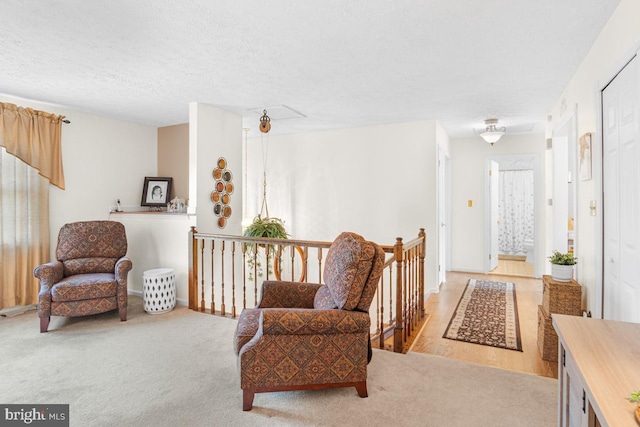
(222, 163)
(227, 176)
(217, 174)
(215, 196)
(217, 209)
(225, 198)
(226, 211)
(222, 222)
(229, 187)
(219, 186)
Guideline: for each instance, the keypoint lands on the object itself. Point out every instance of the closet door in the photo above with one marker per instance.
(621, 195)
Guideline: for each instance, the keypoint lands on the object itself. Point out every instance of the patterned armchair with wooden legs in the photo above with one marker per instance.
(312, 336)
(90, 274)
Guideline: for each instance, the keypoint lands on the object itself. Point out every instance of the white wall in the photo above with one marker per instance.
(158, 240)
(377, 181)
(615, 45)
(468, 176)
(214, 133)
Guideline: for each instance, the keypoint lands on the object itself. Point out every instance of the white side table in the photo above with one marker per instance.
(159, 290)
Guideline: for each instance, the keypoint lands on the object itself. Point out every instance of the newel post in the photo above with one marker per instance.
(193, 269)
(398, 333)
(423, 251)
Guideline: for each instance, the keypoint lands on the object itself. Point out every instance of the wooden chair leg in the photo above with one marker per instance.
(44, 324)
(361, 388)
(123, 314)
(247, 399)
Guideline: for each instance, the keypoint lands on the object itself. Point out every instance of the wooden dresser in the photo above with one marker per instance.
(598, 368)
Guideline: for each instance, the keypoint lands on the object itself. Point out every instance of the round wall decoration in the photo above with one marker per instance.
(221, 195)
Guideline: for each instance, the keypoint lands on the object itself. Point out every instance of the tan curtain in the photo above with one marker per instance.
(35, 138)
(24, 230)
(30, 158)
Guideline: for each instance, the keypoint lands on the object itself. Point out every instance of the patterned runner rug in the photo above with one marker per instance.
(487, 314)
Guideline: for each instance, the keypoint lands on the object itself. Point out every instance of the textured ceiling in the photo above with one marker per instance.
(339, 63)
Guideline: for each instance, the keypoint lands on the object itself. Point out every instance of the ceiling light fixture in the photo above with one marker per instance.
(492, 133)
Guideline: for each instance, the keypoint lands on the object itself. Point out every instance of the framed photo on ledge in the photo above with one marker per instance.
(156, 191)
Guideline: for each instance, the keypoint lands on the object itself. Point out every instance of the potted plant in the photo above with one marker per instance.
(562, 266)
(263, 227)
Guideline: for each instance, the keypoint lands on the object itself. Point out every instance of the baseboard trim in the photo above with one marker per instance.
(179, 301)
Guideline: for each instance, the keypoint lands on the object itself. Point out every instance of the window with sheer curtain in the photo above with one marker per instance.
(30, 159)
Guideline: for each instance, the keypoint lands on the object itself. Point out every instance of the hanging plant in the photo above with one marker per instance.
(266, 226)
(272, 228)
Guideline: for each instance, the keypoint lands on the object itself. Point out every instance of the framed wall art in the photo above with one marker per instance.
(156, 191)
(585, 157)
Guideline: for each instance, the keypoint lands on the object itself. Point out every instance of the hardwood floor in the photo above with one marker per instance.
(441, 306)
(513, 268)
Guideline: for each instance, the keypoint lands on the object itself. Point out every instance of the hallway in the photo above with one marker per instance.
(441, 306)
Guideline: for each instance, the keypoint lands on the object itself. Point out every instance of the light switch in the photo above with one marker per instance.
(470, 203)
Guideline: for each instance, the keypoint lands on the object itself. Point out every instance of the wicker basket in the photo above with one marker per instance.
(547, 337)
(561, 297)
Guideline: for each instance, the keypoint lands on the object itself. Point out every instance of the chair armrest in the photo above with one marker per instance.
(312, 322)
(123, 266)
(281, 294)
(49, 274)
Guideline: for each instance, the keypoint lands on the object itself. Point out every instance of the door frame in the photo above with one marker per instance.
(444, 214)
(538, 200)
(567, 128)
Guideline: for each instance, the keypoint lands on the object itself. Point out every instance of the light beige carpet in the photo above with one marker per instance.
(179, 369)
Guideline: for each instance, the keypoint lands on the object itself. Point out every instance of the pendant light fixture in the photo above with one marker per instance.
(492, 133)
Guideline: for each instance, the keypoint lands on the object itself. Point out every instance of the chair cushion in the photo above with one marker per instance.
(85, 286)
(247, 326)
(323, 299)
(91, 239)
(372, 281)
(347, 269)
(89, 265)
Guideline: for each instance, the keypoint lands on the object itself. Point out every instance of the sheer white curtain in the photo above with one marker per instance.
(24, 229)
(516, 210)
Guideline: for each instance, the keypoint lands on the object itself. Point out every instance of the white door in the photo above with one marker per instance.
(442, 216)
(621, 195)
(494, 190)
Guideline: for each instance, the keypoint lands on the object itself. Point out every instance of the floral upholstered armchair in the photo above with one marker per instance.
(311, 336)
(90, 274)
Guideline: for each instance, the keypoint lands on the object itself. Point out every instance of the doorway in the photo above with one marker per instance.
(511, 215)
(564, 148)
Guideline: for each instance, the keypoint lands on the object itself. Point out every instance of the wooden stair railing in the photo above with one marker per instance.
(224, 267)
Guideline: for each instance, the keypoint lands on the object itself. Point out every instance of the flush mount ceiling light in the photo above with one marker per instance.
(492, 133)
